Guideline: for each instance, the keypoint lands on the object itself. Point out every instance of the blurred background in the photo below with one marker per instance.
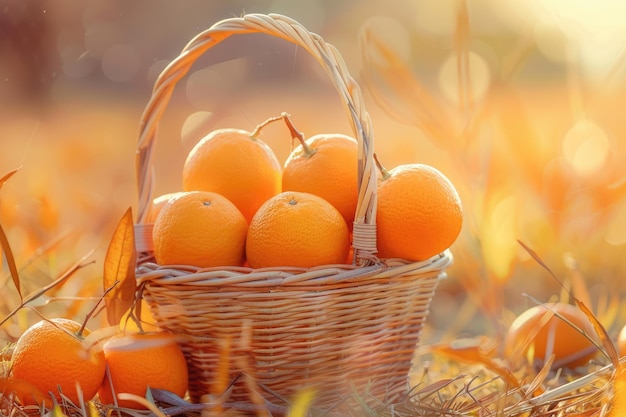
(518, 102)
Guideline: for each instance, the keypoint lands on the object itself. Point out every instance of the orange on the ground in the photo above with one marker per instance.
(141, 360)
(51, 355)
(539, 332)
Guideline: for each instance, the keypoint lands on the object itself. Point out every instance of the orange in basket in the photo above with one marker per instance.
(325, 165)
(419, 212)
(235, 164)
(200, 228)
(297, 229)
(158, 203)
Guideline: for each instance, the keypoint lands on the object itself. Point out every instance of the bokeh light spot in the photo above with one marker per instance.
(436, 17)
(209, 87)
(193, 129)
(616, 234)
(551, 41)
(155, 70)
(479, 78)
(585, 147)
(100, 36)
(392, 37)
(120, 63)
(75, 62)
(311, 14)
(501, 228)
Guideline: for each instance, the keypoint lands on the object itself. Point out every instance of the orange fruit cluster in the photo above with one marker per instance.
(239, 206)
(52, 363)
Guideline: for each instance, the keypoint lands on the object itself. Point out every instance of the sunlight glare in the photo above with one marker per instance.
(193, 126)
(436, 17)
(586, 147)
(212, 86)
(616, 234)
(592, 33)
(479, 77)
(583, 19)
(499, 241)
(392, 35)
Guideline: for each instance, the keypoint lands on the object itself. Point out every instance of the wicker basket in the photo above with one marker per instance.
(338, 329)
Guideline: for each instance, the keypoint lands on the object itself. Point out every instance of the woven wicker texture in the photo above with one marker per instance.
(337, 328)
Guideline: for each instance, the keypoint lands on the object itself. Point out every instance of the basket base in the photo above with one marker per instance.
(330, 388)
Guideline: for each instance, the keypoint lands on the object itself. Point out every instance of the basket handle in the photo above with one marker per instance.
(364, 232)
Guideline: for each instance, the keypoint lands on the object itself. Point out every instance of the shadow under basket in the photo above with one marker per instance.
(264, 335)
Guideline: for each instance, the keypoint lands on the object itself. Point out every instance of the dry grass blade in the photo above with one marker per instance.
(221, 381)
(536, 385)
(462, 37)
(540, 261)
(60, 280)
(7, 176)
(8, 255)
(579, 287)
(6, 247)
(242, 361)
(57, 411)
(302, 403)
(607, 343)
(434, 388)
(585, 387)
(477, 354)
(619, 395)
(119, 269)
(144, 402)
(406, 92)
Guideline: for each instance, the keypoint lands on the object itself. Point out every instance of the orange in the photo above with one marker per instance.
(297, 229)
(157, 205)
(50, 356)
(235, 164)
(325, 165)
(539, 333)
(201, 229)
(141, 360)
(419, 213)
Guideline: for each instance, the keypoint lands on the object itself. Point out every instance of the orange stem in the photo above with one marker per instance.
(257, 130)
(381, 168)
(296, 134)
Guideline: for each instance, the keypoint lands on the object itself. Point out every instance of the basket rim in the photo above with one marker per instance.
(318, 278)
(331, 61)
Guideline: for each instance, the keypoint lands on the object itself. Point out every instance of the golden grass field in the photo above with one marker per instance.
(537, 158)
